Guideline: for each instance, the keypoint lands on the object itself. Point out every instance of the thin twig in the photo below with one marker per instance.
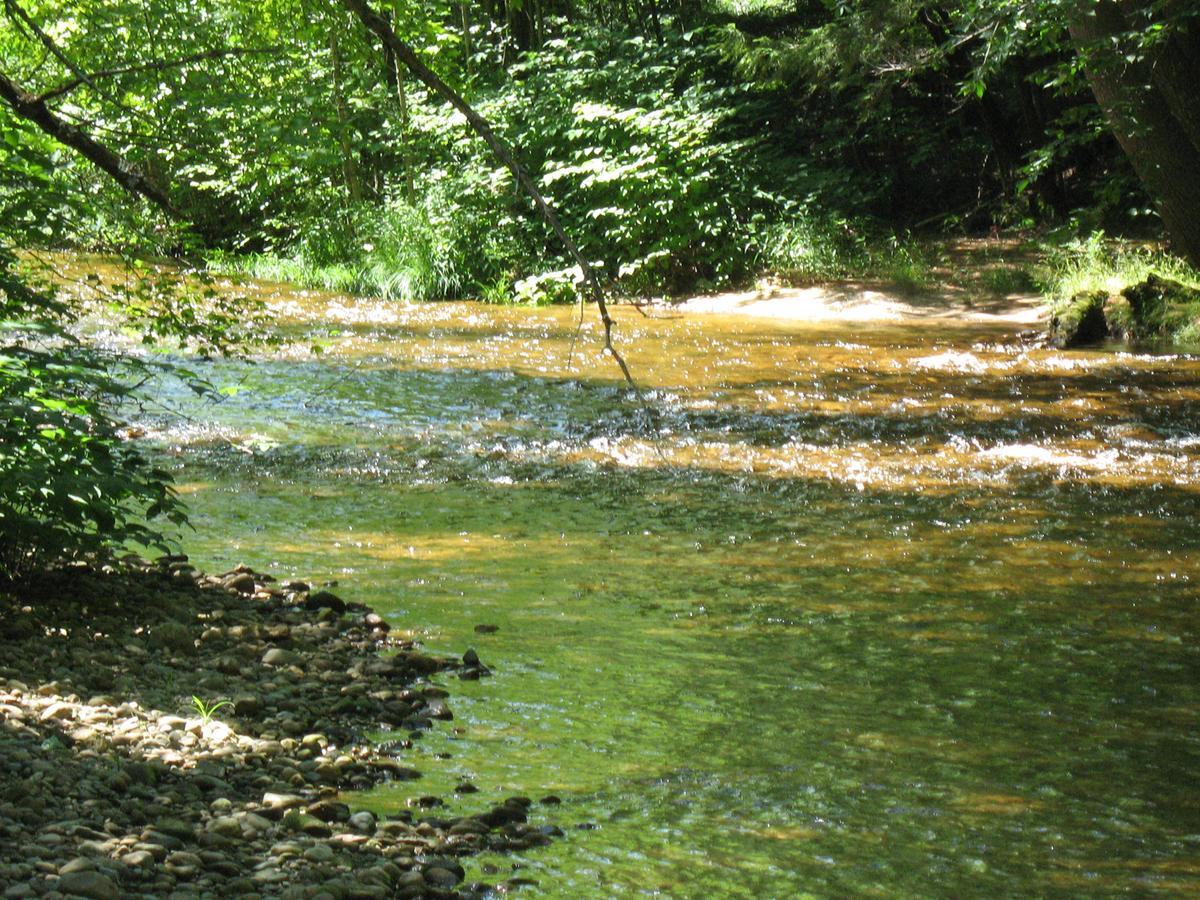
(67, 86)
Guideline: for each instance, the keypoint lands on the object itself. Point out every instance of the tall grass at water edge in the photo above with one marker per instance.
(1097, 263)
(810, 248)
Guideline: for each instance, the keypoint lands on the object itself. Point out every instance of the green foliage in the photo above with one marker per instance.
(634, 142)
(1100, 264)
(70, 486)
(1137, 292)
(814, 247)
(561, 286)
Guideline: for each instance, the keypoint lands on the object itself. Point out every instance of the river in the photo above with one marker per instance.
(842, 609)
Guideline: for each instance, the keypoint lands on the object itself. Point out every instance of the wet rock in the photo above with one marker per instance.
(325, 600)
(295, 820)
(93, 884)
(411, 879)
(138, 859)
(226, 826)
(242, 582)
(1081, 321)
(175, 828)
(330, 811)
(319, 853)
(279, 803)
(79, 864)
(439, 877)
(466, 788)
(183, 864)
(551, 800)
(246, 705)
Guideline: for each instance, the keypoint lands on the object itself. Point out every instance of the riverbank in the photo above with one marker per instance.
(169, 732)
(861, 302)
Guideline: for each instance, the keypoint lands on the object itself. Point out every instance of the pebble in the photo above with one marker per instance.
(88, 884)
(246, 803)
(277, 656)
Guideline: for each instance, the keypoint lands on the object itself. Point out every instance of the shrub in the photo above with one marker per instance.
(69, 485)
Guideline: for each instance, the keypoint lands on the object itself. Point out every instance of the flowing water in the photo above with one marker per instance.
(842, 610)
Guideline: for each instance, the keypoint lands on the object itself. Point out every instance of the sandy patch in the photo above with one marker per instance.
(852, 302)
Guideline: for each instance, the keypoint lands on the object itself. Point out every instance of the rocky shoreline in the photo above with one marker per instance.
(120, 776)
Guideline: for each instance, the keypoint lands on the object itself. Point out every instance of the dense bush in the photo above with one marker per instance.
(69, 485)
(634, 142)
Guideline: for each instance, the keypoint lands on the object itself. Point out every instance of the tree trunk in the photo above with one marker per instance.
(125, 173)
(350, 169)
(395, 77)
(1146, 108)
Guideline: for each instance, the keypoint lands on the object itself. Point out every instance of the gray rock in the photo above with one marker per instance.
(226, 826)
(57, 710)
(139, 859)
(277, 656)
(88, 884)
(319, 853)
(363, 821)
(276, 802)
(78, 864)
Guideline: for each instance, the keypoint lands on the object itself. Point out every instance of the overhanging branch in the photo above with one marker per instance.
(125, 173)
(378, 25)
(67, 86)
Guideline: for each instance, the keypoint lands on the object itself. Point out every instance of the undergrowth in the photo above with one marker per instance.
(1100, 264)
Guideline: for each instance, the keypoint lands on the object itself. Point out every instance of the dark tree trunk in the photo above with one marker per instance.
(1150, 106)
(126, 174)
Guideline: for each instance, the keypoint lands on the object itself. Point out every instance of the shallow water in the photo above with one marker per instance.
(900, 610)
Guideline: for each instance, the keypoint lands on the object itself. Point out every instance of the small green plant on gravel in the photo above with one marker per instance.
(208, 710)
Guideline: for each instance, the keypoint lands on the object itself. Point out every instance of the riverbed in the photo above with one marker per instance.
(835, 608)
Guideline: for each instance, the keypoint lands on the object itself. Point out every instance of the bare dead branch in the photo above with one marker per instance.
(378, 25)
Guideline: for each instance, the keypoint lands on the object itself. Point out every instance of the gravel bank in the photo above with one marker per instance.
(112, 785)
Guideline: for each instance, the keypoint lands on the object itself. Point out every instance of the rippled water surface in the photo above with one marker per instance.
(897, 610)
